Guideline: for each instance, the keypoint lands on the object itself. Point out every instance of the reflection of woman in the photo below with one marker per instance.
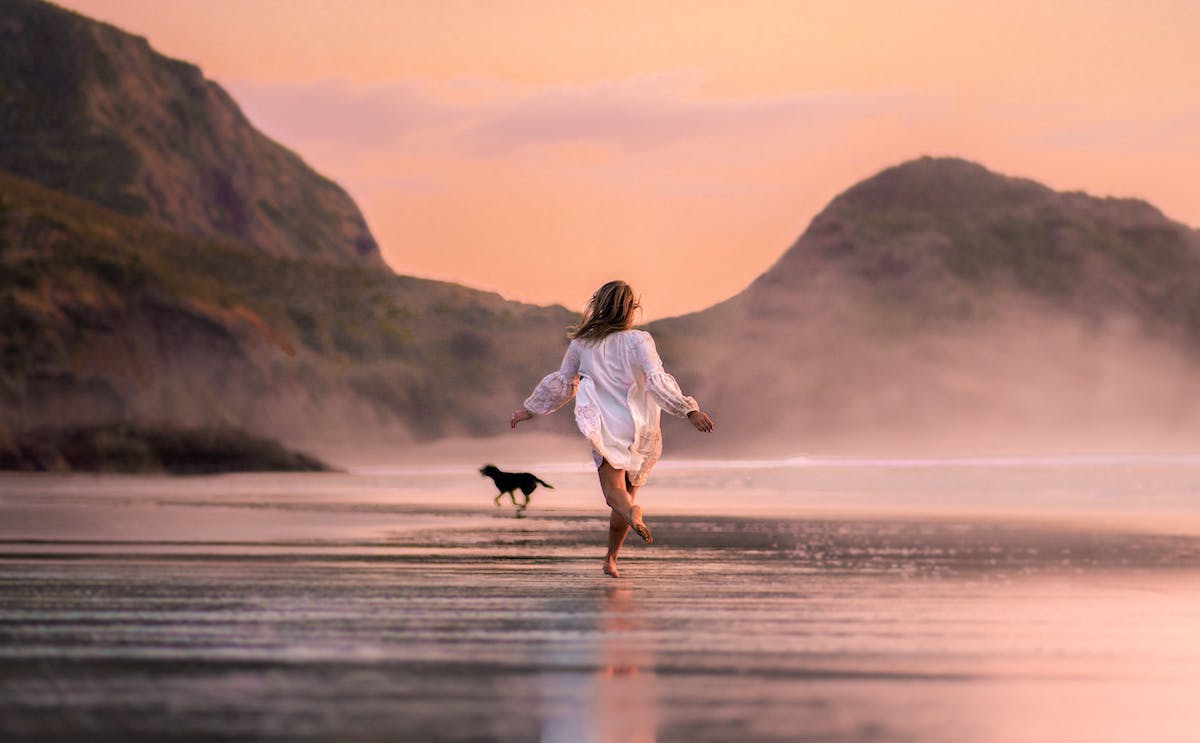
(621, 387)
(620, 701)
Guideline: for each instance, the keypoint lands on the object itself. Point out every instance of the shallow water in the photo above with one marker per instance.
(837, 601)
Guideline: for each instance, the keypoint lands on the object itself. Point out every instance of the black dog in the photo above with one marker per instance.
(509, 482)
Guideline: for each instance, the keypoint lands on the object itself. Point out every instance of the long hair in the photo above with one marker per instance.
(610, 310)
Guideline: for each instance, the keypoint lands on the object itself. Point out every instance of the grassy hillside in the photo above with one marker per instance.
(946, 237)
(940, 304)
(106, 318)
(93, 111)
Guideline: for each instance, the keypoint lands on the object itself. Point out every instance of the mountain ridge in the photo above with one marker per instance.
(91, 110)
(909, 310)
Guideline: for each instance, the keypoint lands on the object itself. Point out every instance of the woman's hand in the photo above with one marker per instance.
(699, 419)
(520, 415)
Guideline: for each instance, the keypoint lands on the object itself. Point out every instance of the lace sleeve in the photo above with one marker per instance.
(661, 385)
(556, 388)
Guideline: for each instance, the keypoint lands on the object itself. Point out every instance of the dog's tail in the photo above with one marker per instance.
(543, 482)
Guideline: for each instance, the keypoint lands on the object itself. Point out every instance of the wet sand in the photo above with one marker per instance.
(864, 602)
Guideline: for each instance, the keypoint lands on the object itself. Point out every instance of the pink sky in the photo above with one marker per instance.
(540, 148)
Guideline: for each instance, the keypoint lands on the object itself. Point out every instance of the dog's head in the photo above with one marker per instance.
(488, 470)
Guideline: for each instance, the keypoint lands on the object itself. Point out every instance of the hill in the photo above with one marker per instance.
(93, 111)
(106, 319)
(940, 305)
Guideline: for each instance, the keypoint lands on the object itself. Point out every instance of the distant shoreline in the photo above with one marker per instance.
(149, 449)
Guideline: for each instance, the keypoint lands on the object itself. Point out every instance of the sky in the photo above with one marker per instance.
(538, 149)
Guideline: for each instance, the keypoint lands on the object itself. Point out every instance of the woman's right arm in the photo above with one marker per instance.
(555, 389)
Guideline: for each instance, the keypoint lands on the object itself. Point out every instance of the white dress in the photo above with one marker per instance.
(620, 387)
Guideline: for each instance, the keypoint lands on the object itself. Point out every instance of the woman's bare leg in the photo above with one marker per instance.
(613, 483)
(616, 494)
(618, 529)
(619, 493)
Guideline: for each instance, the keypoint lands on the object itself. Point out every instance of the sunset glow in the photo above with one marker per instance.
(538, 148)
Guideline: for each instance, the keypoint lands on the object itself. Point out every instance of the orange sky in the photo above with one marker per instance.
(541, 148)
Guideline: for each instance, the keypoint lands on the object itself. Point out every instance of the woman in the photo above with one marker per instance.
(620, 386)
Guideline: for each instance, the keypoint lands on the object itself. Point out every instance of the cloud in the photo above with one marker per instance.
(357, 116)
(1172, 133)
(479, 117)
(652, 112)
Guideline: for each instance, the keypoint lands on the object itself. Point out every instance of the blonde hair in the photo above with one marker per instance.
(610, 310)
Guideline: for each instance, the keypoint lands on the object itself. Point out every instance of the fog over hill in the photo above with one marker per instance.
(939, 305)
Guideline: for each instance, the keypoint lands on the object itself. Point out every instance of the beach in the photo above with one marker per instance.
(1004, 599)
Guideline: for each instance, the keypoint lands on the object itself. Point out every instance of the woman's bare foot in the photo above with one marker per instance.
(610, 568)
(635, 520)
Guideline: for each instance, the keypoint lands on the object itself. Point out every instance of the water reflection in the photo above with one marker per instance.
(613, 697)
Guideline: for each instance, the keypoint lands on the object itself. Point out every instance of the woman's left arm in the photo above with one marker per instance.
(659, 383)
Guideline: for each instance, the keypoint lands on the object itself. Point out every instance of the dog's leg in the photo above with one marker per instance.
(498, 497)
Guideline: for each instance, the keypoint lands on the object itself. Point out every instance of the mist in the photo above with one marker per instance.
(840, 377)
